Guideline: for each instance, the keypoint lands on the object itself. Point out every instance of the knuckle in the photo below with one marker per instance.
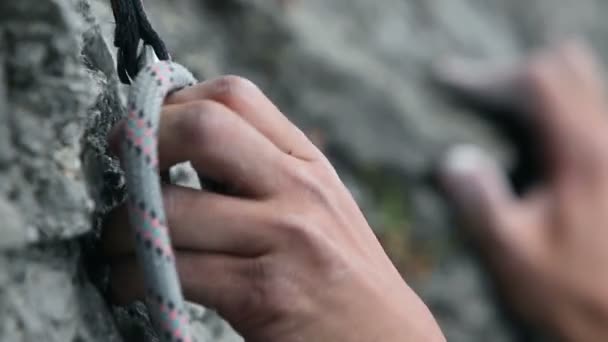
(314, 182)
(270, 287)
(577, 53)
(543, 76)
(200, 120)
(538, 75)
(234, 88)
(295, 226)
(303, 231)
(258, 278)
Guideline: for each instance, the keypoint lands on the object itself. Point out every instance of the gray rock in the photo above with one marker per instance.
(13, 234)
(47, 93)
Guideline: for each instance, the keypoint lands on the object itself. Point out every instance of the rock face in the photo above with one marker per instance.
(352, 73)
(44, 98)
(58, 98)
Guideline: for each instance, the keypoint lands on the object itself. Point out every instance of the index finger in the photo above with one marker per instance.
(247, 100)
(568, 109)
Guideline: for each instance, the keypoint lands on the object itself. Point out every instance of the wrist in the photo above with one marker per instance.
(582, 321)
(381, 313)
(358, 314)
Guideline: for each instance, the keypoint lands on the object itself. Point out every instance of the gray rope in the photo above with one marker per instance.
(155, 255)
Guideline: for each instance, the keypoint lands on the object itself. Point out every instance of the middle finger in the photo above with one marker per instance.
(220, 145)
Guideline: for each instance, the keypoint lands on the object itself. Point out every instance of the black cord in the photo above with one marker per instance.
(133, 26)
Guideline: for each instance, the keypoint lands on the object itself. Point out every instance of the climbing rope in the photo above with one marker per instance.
(153, 80)
(133, 27)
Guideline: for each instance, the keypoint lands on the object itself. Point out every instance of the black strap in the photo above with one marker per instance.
(133, 26)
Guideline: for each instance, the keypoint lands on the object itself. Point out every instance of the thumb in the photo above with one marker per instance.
(480, 193)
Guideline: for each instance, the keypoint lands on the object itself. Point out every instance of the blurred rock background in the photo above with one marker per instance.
(352, 73)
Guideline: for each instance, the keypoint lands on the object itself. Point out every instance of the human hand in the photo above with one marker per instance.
(549, 248)
(286, 255)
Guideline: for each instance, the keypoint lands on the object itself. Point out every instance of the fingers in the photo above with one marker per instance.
(248, 101)
(199, 221)
(220, 145)
(229, 131)
(567, 99)
(559, 91)
(584, 69)
(214, 280)
(481, 195)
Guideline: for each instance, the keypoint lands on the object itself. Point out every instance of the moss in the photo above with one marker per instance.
(392, 217)
(390, 197)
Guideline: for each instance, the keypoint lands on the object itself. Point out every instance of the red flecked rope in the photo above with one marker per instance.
(140, 160)
(139, 156)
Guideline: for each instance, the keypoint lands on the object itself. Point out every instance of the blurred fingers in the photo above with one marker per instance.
(482, 197)
(568, 103)
(558, 93)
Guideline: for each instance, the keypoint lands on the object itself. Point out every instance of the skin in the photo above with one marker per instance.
(285, 254)
(547, 248)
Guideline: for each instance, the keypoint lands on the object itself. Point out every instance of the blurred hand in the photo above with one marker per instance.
(549, 248)
(287, 255)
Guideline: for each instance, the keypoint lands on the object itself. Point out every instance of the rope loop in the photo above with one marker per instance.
(133, 28)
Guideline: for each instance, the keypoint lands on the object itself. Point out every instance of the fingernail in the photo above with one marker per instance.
(459, 171)
(232, 84)
(463, 160)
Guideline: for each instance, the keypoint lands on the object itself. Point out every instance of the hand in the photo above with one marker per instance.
(549, 249)
(287, 255)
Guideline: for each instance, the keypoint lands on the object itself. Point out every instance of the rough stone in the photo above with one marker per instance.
(45, 98)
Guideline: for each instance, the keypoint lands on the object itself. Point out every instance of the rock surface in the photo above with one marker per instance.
(44, 203)
(352, 73)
